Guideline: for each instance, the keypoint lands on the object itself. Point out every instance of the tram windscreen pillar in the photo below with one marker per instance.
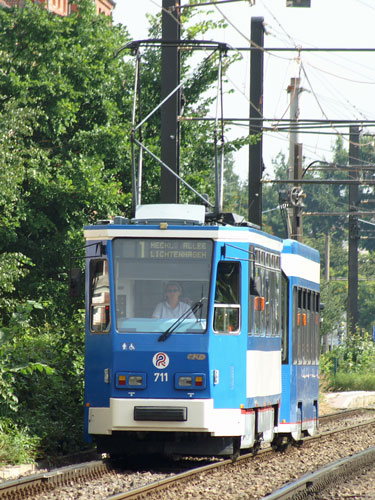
(170, 79)
(256, 120)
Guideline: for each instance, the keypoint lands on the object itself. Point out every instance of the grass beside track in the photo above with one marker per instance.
(343, 381)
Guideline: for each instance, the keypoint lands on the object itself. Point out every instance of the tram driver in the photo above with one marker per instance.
(172, 307)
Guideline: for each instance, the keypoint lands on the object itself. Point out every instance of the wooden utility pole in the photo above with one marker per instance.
(294, 164)
(256, 120)
(170, 111)
(352, 310)
(297, 227)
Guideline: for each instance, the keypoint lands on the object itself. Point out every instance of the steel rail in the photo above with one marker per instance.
(32, 484)
(344, 413)
(317, 481)
(157, 486)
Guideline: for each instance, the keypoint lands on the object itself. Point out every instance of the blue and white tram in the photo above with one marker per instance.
(301, 340)
(210, 379)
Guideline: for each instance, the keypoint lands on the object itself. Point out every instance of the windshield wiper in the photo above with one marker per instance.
(193, 309)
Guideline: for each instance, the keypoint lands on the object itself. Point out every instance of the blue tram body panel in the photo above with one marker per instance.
(300, 369)
(215, 368)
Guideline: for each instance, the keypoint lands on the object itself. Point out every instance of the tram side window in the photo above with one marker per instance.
(273, 304)
(284, 319)
(310, 341)
(264, 296)
(99, 296)
(277, 304)
(299, 337)
(316, 306)
(268, 300)
(304, 330)
(259, 302)
(253, 294)
(295, 326)
(227, 298)
(305, 327)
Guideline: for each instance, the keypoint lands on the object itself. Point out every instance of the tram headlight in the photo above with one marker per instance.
(130, 380)
(185, 381)
(135, 380)
(190, 381)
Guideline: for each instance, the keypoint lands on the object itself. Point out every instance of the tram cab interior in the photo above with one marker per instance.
(142, 270)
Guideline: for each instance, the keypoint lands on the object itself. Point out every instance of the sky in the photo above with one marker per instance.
(335, 85)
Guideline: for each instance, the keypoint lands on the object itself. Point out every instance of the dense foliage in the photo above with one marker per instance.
(355, 353)
(350, 365)
(65, 126)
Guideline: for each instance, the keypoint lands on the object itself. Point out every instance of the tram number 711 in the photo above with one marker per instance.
(160, 377)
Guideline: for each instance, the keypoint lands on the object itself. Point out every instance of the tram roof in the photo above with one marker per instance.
(297, 248)
(218, 233)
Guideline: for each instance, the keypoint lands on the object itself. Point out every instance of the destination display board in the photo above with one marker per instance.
(177, 249)
(165, 249)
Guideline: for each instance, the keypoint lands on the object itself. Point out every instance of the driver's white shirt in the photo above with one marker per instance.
(164, 310)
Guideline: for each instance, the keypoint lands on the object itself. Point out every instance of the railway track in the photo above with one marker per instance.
(31, 486)
(313, 484)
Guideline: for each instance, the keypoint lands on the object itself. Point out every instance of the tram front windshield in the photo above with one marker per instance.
(158, 281)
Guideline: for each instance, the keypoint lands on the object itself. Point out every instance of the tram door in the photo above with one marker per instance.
(98, 352)
(228, 353)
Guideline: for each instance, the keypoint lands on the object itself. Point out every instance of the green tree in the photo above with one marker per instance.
(64, 128)
(65, 100)
(274, 214)
(339, 229)
(65, 124)
(235, 194)
(326, 198)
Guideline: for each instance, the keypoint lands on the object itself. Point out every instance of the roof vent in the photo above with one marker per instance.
(118, 219)
(103, 222)
(172, 213)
